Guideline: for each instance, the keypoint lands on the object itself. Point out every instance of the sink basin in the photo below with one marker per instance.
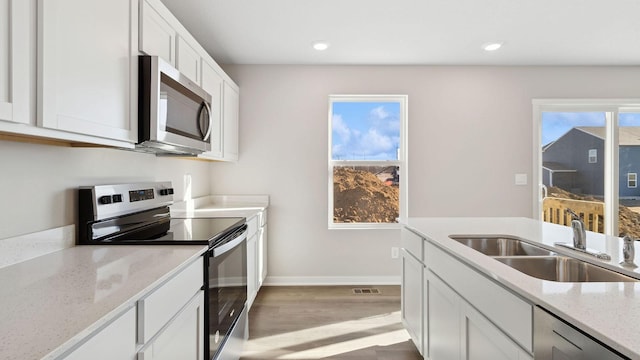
(563, 269)
(501, 246)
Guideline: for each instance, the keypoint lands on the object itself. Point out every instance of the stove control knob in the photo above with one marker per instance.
(104, 199)
(165, 192)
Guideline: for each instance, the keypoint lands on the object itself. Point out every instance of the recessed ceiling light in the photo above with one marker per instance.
(492, 46)
(320, 45)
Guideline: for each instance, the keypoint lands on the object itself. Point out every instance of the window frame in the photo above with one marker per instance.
(593, 154)
(629, 180)
(612, 108)
(402, 161)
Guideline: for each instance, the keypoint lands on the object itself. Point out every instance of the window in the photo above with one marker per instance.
(367, 160)
(603, 191)
(593, 156)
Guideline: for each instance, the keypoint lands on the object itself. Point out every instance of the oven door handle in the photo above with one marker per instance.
(217, 251)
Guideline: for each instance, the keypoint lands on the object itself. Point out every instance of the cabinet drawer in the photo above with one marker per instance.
(511, 314)
(157, 308)
(412, 243)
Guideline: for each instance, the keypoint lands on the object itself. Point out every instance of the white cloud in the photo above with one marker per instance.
(379, 113)
(374, 142)
(340, 128)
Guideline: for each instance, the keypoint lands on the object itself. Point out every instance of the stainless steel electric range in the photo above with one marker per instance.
(138, 214)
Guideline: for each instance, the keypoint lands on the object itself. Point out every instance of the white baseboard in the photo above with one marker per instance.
(330, 280)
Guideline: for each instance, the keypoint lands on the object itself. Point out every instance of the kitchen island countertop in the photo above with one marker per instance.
(609, 312)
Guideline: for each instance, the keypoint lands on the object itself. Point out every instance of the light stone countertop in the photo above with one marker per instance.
(609, 312)
(221, 206)
(49, 303)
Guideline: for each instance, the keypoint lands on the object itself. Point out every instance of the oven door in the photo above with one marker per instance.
(227, 294)
(174, 111)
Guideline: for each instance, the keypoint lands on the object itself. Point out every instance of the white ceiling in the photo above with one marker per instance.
(442, 32)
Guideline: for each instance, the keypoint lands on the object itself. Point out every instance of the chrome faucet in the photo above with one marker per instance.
(579, 232)
(580, 238)
(628, 252)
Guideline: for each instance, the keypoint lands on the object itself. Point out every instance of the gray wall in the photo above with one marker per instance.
(38, 182)
(470, 131)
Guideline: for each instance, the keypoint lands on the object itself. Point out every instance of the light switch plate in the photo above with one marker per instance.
(521, 179)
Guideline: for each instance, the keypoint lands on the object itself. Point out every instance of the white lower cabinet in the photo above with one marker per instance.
(166, 323)
(453, 312)
(458, 331)
(443, 314)
(483, 340)
(262, 254)
(252, 268)
(256, 255)
(182, 337)
(412, 298)
(116, 341)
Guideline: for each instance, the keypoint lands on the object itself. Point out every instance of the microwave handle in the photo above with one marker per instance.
(206, 136)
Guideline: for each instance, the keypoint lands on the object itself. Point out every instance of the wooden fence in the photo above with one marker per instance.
(592, 212)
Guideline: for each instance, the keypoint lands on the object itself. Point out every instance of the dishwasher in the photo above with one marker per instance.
(554, 339)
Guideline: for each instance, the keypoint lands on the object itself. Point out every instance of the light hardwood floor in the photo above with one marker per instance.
(327, 322)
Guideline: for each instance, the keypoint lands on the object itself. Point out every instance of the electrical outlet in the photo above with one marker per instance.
(394, 252)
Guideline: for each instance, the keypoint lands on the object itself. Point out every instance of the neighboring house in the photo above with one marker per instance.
(575, 161)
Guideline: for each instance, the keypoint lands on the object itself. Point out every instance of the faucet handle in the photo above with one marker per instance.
(574, 216)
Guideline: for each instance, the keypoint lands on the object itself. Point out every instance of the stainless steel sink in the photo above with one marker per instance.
(501, 246)
(563, 269)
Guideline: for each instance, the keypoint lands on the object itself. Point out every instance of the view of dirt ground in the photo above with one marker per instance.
(629, 222)
(365, 194)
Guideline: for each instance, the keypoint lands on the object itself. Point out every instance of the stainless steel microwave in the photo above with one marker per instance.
(174, 113)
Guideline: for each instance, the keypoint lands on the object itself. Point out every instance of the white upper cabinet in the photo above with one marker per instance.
(188, 62)
(160, 32)
(212, 83)
(230, 121)
(14, 60)
(87, 67)
(157, 37)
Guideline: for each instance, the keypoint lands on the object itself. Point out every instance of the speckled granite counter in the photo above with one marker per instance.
(609, 312)
(49, 303)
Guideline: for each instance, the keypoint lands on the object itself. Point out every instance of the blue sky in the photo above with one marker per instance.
(365, 130)
(556, 124)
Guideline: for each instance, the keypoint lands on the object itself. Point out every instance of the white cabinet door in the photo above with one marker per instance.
(182, 338)
(230, 116)
(157, 37)
(14, 60)
(252, 269)
(443, 333)
(212, 83)
(483, 340)
(188, 61)
(262, 256)
(87, 61)
(116, 341)
(412, 298)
